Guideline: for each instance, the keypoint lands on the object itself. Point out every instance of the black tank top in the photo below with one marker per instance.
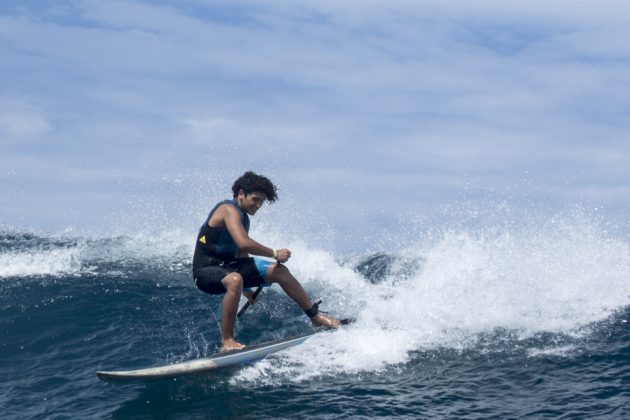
(215, 244)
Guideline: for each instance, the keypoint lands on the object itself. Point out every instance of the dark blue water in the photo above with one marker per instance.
(533, 324)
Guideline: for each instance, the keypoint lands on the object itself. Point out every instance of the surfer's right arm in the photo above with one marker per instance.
(232, 220)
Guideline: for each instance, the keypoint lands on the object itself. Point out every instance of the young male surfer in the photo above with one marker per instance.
(221, 263)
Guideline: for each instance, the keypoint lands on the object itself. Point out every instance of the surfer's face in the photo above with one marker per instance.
(250, 203)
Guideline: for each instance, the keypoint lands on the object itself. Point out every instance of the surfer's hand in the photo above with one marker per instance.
(249, 294)
(283, 255)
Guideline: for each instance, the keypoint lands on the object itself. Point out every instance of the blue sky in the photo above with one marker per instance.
(118, 116)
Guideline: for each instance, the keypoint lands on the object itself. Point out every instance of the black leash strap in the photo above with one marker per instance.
(314, 310)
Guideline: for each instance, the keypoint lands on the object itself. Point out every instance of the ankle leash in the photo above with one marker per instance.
(314, 310)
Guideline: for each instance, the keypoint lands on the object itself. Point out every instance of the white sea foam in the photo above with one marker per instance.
(58, 256)
(558, 278)
(561, 351)
(169, 245)
(54, 262)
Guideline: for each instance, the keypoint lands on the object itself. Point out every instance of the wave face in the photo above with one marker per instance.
(492, 322)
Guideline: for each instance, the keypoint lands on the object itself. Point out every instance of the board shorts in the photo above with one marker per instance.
(253, 270)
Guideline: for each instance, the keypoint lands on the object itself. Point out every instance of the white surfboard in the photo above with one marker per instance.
(206, 364)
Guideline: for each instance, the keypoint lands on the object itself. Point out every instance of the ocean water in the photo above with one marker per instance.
(501, 323)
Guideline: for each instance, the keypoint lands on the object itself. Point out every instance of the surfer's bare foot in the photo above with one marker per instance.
(326, 321)
(231, 344)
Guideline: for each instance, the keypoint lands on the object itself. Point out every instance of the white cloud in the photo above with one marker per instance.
(21, 125)
(371, 92)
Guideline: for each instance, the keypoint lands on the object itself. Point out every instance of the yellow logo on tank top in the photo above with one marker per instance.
(203, 239)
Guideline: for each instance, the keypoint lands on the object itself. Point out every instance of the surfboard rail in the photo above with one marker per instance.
(206, 364)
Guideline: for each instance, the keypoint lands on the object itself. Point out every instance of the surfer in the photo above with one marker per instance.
(222, 265)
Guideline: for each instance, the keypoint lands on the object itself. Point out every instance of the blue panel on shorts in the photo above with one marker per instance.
(262, 266)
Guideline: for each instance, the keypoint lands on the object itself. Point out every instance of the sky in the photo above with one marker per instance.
(373, 118)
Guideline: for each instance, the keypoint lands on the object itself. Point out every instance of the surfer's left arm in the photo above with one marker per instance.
(244, 243)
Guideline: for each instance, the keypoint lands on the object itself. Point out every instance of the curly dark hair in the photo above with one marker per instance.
(250, 182)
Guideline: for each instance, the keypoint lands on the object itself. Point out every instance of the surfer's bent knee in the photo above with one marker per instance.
(233, 281)
(277, 273)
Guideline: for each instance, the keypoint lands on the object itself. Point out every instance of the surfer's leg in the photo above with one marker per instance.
(278, 273)
(233, 284)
